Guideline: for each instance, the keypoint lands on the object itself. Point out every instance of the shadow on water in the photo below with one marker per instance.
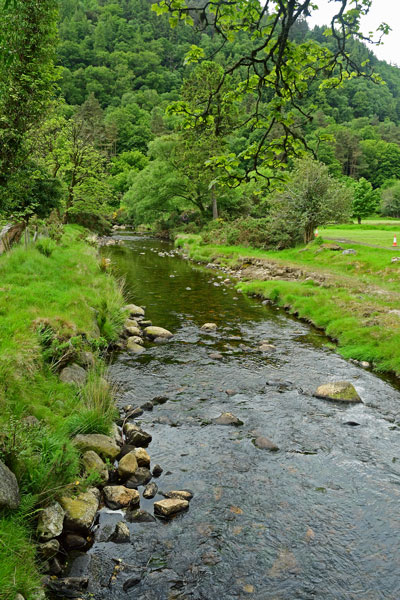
(317, 519)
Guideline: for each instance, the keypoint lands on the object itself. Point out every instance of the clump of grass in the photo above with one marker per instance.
(46, 246)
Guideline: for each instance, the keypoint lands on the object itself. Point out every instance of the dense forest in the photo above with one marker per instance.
(146, 125)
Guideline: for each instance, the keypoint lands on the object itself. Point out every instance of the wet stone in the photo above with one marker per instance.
(264, 443)
(180, 494)
(121, 534)
(139, 516)
(119, 496)
(157, 470)
(132, 580)
(170, 506)
(157, 332)
(142, 457)
(160, 399)
(141, 477)
(216, 355)
(74, 541)
(228, 419)
(134, 413)
(150, 490)
(209, 327)
(127, 465)
(49, 549)
(138, 438)
(51, 520)
(339, 391)
(134, 310)
(146, 323)
(134, 347)
(147, 405)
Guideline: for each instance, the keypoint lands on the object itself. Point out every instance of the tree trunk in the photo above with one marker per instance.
(308, 233)
(214, 204)
(359, 220)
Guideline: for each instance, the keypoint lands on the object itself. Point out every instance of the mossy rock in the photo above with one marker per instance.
(103, 445)
(339, 391)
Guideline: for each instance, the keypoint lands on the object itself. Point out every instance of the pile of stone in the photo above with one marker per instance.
(137, 329)
(122, 464)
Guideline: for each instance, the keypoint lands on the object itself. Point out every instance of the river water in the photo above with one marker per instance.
(319, 519)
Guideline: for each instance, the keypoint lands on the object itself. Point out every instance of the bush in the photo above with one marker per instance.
(46, 246)
(91, 220)
(263, 233)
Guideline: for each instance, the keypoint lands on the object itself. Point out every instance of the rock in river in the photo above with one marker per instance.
(74, 374)
(150, 490)
(133, 346)
(134, 311)
(133, 331)
(181, 494)
(228, 419)
(102, 444)
(142, 457)
(265, 444)
(81, 510)
(209, 327)
(157, 332)
(118, 496)
(340, 391)
(121, 534)
(140, 477)
(127, 465)
(51, 520)
(9, 491)
(138, 438)
(170, 506)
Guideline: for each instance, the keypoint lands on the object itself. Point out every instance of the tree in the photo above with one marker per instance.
(366, 200)
(391, 200)
(27, 78)
(311, 198)
(273, 69)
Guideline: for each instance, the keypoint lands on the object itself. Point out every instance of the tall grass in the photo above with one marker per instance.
(51, 308)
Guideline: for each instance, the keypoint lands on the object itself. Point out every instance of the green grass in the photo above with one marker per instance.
(348, 296)
(51, 308)
(377, 235)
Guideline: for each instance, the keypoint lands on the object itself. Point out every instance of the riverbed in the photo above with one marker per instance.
(317, 519)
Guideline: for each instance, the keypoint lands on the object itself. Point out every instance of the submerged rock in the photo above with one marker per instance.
(157, 332)
(119, 496)
(265, 444)
(121, 534)
(139, 516)
(267, 348)
(160, 399)
(170, 506)
(9, 490)
(135, 311)
(74, 374)
(341, 391)
(228, 418)
(147, 405)
(209, 327)
(80, 511)
(102, 444)
(50, 523)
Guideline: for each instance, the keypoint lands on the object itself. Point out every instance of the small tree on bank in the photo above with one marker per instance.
(311, 198)
(366, 200)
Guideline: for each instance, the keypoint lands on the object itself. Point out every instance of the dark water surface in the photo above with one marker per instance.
(318, 519)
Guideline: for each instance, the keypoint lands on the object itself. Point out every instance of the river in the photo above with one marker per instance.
(319, 519)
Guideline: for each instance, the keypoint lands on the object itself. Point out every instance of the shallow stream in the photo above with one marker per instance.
(319, 519)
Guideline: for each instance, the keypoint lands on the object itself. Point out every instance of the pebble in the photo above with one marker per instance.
(228, 419)
(180, 494)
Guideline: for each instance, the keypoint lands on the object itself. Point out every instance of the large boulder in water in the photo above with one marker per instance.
(157, 332)
(339, 391)
(9, 491)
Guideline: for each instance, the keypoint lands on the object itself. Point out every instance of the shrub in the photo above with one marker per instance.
(46, 246)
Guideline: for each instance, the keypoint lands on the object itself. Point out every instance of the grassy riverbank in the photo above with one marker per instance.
(53, 309)
(351, 297)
